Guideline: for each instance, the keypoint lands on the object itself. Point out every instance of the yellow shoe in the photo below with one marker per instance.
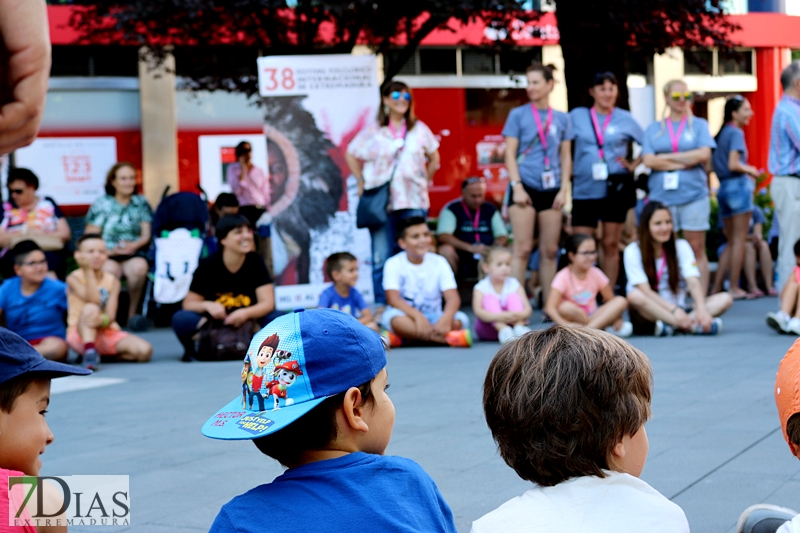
(392, 339)
(461, 338)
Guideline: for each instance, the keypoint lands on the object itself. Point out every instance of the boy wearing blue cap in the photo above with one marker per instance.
(329, 421)
(24, 396)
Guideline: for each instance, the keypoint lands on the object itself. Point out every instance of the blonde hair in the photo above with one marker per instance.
(665, 114)
(486, 258)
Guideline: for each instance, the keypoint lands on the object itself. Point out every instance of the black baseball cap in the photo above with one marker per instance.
(17, 357)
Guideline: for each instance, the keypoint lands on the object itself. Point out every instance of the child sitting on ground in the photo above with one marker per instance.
(415, 281)
(92, 299)
(567, 408)
(24, 397)
(787, 320)
(332, 440)
(573, 294)
(499, 301)
(33, 304)
(342, 268)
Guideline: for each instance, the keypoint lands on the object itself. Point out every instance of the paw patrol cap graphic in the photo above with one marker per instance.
(292, 365)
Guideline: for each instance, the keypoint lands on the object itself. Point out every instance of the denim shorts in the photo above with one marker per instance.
(735, 196)
(693, 216)
(392, 312)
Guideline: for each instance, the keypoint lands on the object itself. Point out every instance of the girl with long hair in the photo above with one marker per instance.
(539, 161)
(676, 149)
(660, 270)
(401, 150)
(735, 196)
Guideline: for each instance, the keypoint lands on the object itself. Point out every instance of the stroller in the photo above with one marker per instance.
(179, 227)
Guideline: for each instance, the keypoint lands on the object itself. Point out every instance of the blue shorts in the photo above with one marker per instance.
(392, 312)
(735, 196)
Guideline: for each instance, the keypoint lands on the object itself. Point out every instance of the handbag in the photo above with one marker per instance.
(221, 342)
(371, 210)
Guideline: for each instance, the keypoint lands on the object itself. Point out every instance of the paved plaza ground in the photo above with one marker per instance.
(715, 440)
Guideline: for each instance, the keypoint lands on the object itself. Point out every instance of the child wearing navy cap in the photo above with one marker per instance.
(24, 396)
(321, 377)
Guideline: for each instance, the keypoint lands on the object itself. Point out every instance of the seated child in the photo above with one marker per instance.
(24, 397)
(499, 301)
(415, 281)
(787, 320)
(567, 408)
(573, 294)
(92, 297)
(342, 268)
(330, 427)
(33, 304)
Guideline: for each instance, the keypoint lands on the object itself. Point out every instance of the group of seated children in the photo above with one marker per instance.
(34, 305)
(566, 407)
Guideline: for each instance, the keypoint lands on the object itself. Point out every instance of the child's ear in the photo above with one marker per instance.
(619, 451)
(352, 409)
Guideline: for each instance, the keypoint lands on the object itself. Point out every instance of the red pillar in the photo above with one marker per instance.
(769, 64)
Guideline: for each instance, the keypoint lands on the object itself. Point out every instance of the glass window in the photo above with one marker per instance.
(490, 107)
(409, 67)
(739, 62)
(698, 62)
(477, 62)
(437, 61)
(516, 61)
(222, 61)
(95, 60)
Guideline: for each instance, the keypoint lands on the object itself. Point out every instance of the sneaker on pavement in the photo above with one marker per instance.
(625, 331)
(521, 330)
(664, 330)
(461, 338)
(763, 518)
(392, 339)
(777, 321)
(91, 360)
(793, 326)
(506, 334)
(716, 328)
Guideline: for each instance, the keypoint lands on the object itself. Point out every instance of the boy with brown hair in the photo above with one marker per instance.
(567, 408)
(24, 397)
(342, 268)
(92, 299)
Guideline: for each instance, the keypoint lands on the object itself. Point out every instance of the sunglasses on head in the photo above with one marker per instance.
(470, 181)
(676, 95)
(397, 95)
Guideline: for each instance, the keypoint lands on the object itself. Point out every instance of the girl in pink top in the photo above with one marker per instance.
(573, 293)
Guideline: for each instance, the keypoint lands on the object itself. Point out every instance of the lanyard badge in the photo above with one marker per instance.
(600, 168)
(476, 223)
(548, 176)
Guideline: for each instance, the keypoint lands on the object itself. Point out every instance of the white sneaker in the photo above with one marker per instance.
(778, 321)
(505, 334)
(625, 331)
(521, 330)
(793, 326)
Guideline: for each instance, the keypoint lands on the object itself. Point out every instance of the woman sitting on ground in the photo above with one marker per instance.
(660, 268)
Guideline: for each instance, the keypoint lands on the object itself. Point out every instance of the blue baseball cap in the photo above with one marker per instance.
(295, 363)
(17, 357)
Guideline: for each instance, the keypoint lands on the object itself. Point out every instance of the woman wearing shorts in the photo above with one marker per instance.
(676, 149)
(602, 183)
(539, 161)
(736, 187)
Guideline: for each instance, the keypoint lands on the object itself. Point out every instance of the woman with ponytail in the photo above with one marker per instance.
(660, 269)
(676, 149)
(736, 188)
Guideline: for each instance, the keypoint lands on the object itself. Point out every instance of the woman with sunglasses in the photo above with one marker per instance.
(660, 269)
(28, 216)
(735, 196)
(400, 150)
(676, 149)
(602, 183)
(539, 161)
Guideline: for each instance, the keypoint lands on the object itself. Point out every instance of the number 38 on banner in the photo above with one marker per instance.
(275, 79)
(277, 76)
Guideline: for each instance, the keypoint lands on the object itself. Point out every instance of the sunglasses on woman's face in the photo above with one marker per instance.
(686, 95)
(397, 95)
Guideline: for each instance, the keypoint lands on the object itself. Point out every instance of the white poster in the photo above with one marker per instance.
(313, 107)
(72, 170)
(219, 151)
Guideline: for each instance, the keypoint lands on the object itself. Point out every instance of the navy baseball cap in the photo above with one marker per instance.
(295, 363)
(17, 357)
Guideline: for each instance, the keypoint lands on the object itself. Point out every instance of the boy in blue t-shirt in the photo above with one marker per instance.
(325, 375)
(34, 305)
(342, 268)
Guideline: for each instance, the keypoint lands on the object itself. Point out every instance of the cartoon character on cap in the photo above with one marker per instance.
(247, 380)
(286, 375)
(263, 358)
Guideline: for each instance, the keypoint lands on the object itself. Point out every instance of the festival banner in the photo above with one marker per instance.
(313, 107)
(70, 169)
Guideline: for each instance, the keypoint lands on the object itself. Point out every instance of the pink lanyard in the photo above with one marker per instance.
(476, 221)
(543, 132)
(600, 132)
(661, 270)
(675, 138)
(394, 132)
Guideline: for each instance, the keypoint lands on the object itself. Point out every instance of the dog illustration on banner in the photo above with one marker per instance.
(269, 373)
